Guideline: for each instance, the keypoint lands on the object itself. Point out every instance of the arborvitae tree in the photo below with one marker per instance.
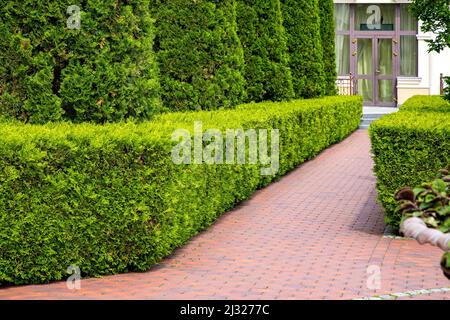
(199, 54)
(327, 32)
(102, 71)
(302, 24)
(261, 31)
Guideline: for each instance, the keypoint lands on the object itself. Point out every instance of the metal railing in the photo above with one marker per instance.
(443, 83)
(345, 85)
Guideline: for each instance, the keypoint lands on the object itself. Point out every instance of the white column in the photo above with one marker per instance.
(425, 59)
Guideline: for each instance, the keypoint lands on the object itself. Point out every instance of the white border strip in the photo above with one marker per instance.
(413, 293)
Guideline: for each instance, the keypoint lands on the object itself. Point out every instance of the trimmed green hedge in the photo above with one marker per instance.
(199, 53)
(105, 71)
(426, 104)
(109, 198)
(409, 147)
(262, 35)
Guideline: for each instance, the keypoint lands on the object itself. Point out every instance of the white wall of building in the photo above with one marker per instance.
(439, 63)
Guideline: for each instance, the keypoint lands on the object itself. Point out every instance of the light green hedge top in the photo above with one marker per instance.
(427, 104)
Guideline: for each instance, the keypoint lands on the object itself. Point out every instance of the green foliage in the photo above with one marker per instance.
(109, 198)
(302, 24)
(426, 104)
(429, 202)
(447, 89)
(104, 71)
(435, 17)
(445, 264)
(262, 35)
(199, 53)
(409, 147)
(326, 11)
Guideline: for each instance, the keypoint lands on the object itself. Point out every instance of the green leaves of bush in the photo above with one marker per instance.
(109, 199)
(409, 147)
(426, 104)
(302, 24)
(103, 72)
(262, 35)
(199, 54)
(447, 89)
(107, 70)
(327, 35)
(430, 202)
(445, 264)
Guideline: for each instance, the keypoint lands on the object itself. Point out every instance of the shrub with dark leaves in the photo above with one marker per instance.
(430, 202)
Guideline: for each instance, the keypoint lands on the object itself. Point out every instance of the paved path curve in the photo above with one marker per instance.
(316, 234)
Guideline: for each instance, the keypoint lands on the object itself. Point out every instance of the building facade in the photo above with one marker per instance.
(380, 47)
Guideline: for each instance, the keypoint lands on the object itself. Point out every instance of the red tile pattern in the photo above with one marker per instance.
(312, 235)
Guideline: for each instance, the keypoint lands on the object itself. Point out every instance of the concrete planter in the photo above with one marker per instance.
(417, 229)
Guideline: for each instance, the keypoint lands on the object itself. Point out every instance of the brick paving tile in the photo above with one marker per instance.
(312, 235)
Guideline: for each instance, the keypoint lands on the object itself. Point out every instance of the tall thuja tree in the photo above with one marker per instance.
(199, 53)
(302, 24)
(326, 10)
(91, 62)
(261, 31)
(435, 17)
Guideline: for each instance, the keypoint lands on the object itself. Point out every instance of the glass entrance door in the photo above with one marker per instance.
(364, 69)
(385, 72)
(375, 71)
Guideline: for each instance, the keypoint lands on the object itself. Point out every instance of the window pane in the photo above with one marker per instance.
(385, 61)
(375, 17)
(343, 55)
(342, 17)
(386, 91)
(408, 56)
(365, 57)
(365, 88)
(407, 21)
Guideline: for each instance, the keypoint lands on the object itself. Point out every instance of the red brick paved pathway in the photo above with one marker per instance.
(311, 235)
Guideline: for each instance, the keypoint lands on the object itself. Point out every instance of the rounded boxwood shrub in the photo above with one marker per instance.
(426, 103)
(327, 33)
(302, 24)
(102, 71)
(199, 53)
(261, 31)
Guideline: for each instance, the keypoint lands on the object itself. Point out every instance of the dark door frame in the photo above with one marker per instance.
(375, 35)
(375, 77)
